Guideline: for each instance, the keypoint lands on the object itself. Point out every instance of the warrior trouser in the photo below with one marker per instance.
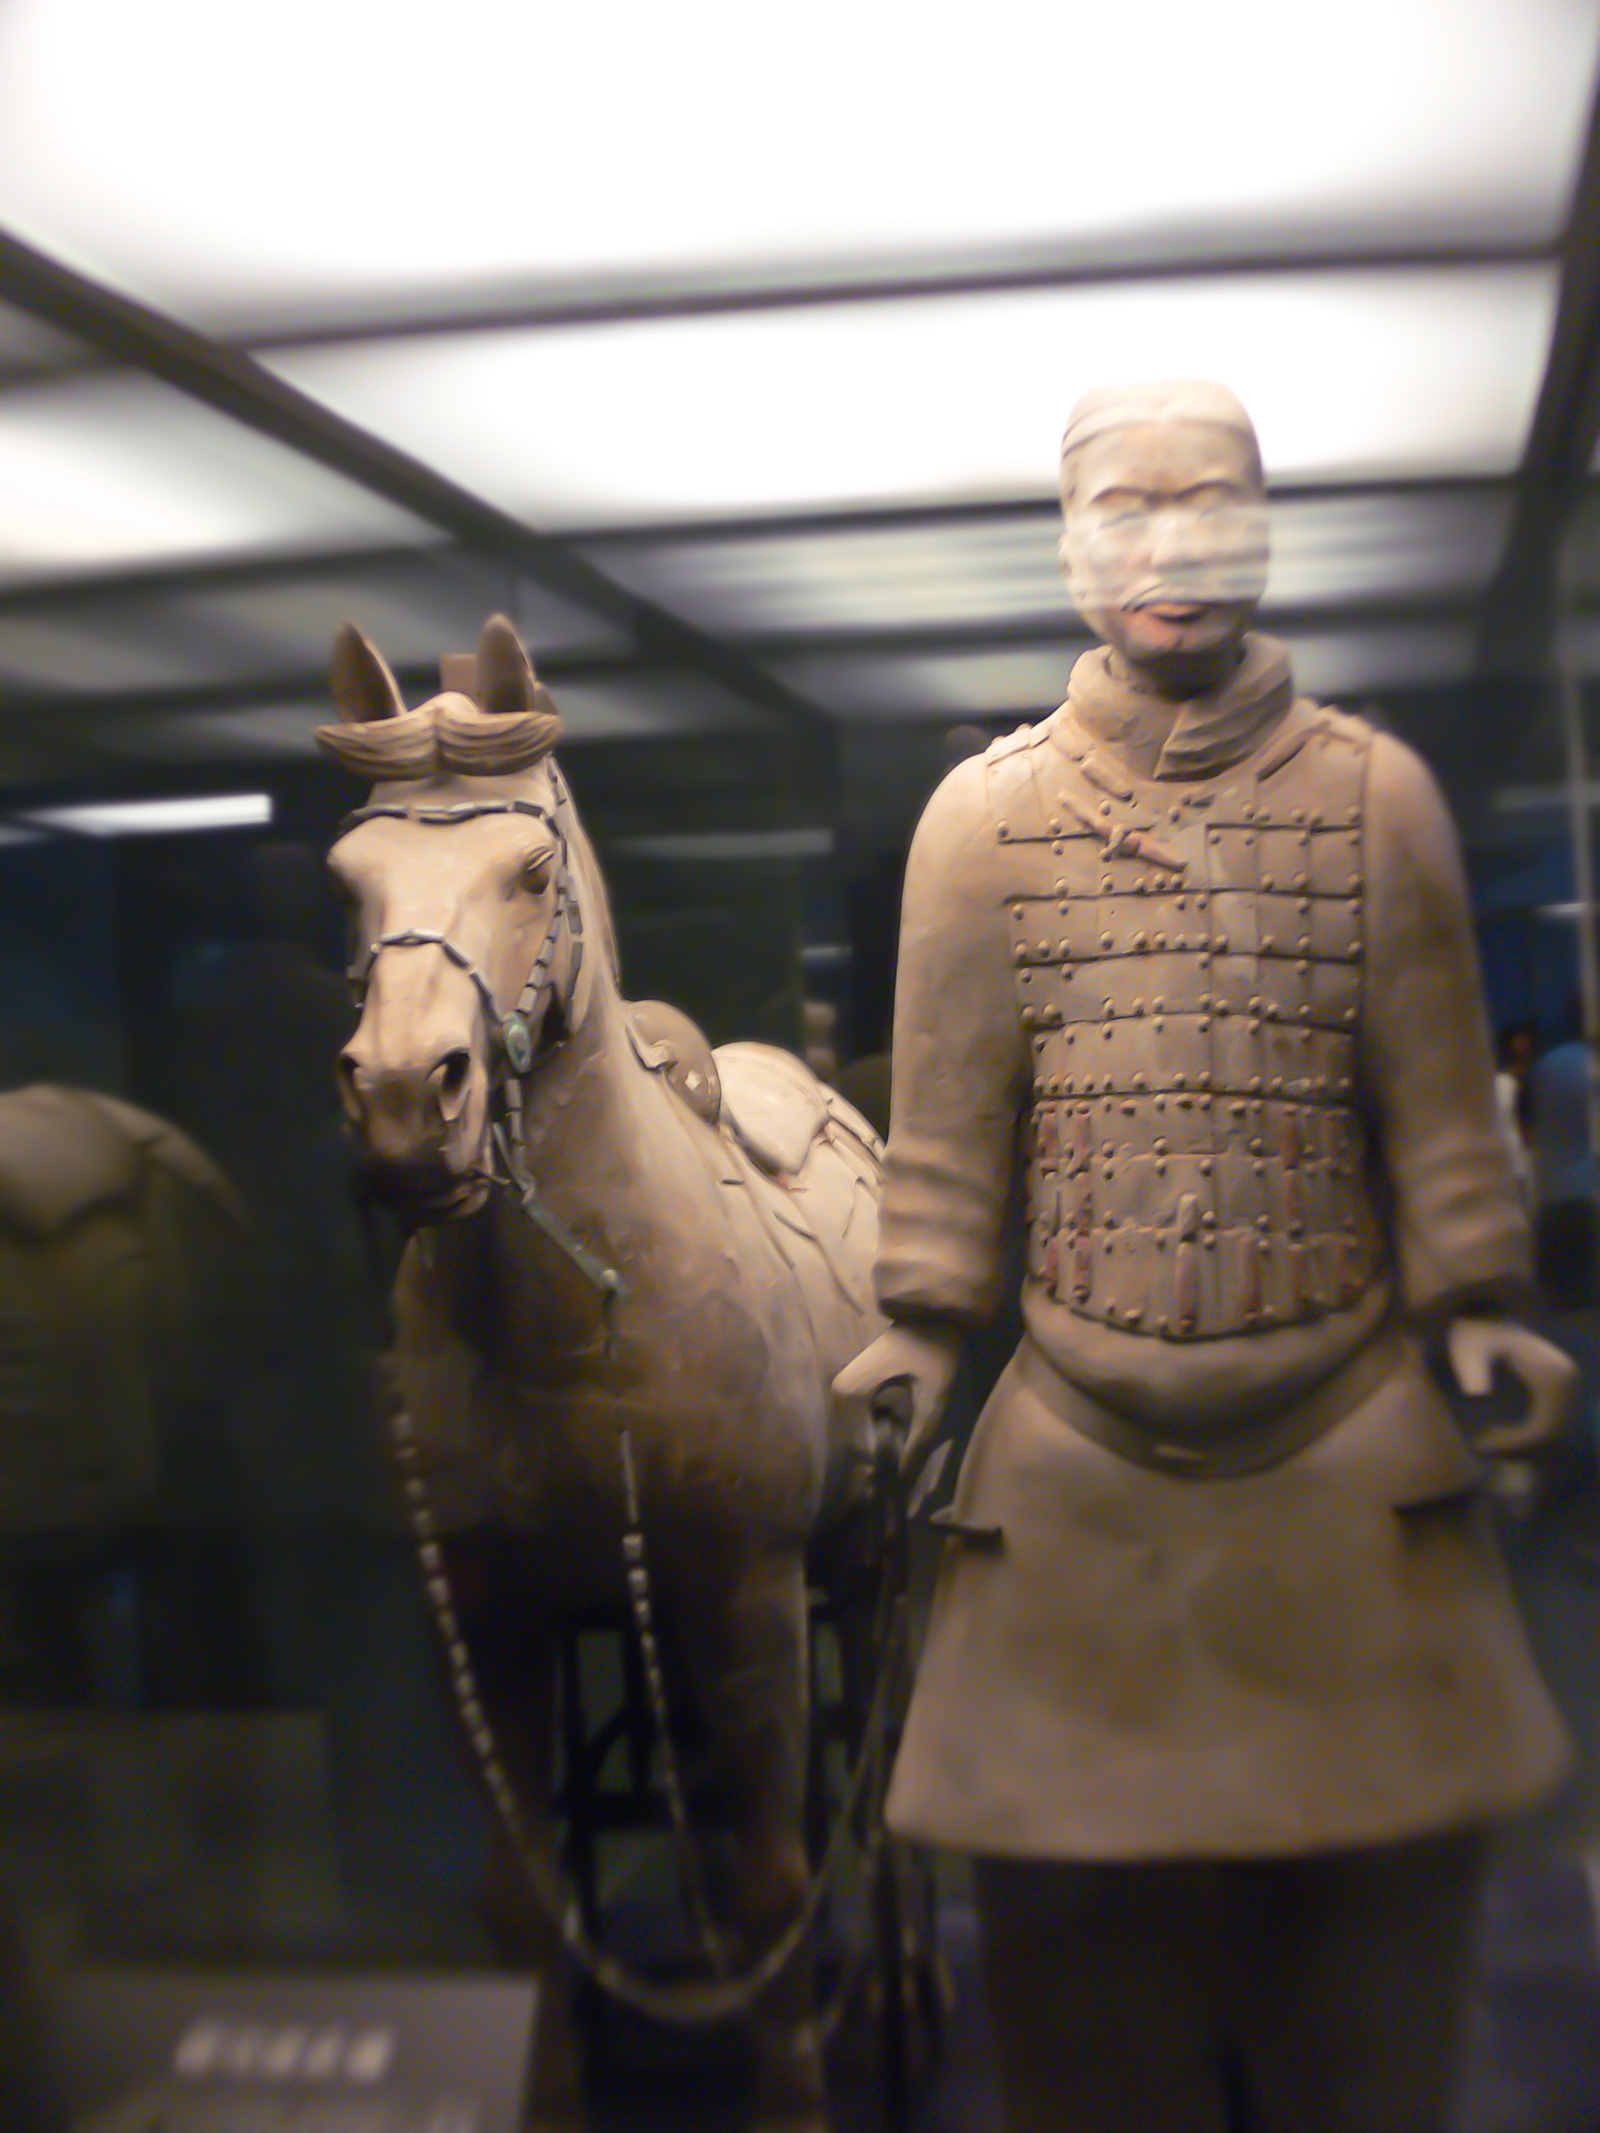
(1329, 1989)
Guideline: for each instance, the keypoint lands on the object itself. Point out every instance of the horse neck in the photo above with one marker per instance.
(595, 1123)
(586, 1105)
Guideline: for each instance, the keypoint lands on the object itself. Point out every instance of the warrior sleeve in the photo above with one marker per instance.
(1460, 1235)
(959, 1067)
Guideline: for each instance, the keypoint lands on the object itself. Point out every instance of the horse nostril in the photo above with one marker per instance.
(453, 1070)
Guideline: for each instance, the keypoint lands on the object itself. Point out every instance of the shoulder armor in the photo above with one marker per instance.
(1023, 737)
(1345, 726)
(1011, 785)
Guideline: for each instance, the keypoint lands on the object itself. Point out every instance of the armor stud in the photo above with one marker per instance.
(1082, 1273)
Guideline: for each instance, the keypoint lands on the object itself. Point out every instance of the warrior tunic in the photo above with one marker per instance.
(1219, 1579)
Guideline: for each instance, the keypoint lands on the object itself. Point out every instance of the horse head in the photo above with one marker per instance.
(470, 881)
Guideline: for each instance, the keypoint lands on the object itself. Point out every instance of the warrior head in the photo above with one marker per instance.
(1165, 540)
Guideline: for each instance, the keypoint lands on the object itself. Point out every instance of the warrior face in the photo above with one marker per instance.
(1165, 545)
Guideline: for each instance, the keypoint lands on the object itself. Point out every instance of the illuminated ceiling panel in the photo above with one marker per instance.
(108, 472)
(883, 577)
(232, 167)
(942, 398)
(1332, 550)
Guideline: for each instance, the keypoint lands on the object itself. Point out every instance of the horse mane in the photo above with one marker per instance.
(592, 893)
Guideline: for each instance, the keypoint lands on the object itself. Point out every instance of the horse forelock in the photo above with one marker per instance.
(448, 734)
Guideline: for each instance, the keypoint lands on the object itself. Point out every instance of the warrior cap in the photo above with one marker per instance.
(1110, 407)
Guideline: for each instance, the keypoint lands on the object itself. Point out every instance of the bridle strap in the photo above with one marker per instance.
(442, 817)
(416, 938)
(512, 1030)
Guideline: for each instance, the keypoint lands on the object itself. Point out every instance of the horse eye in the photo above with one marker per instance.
(536, 875)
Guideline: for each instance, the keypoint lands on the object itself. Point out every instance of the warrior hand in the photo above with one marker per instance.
(901, 1382)
(1546, 1372)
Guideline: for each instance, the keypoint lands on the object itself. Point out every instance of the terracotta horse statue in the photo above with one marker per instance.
(635, 1267)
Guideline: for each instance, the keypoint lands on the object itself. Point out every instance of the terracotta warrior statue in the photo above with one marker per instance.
(1222, 1682)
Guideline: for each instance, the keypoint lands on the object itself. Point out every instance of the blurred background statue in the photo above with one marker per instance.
(129, 1309)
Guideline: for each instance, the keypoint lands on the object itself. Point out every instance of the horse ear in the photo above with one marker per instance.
(506, 680)
(363, 686)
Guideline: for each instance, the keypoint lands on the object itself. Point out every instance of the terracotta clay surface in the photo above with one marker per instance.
(1219, 1582)
(1208, 942)
(732, 1197)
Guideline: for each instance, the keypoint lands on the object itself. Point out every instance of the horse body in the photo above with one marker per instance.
(715, 1358)
(635, 1291)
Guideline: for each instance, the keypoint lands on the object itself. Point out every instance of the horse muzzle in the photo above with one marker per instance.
(419, 1194)
(419, 1132)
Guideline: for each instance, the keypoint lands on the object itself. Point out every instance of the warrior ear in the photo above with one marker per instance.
(506, 680)
(363, 686)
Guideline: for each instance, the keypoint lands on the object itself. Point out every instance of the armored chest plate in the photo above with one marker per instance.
(1188, 965)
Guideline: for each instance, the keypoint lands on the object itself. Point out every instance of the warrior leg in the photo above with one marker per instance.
(1354, 1968)
(1098, 1981)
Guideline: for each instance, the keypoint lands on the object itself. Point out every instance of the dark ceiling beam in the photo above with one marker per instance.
(1516, 635)
(234, 384)
(1191, 256)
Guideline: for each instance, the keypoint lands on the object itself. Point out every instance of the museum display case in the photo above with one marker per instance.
(730, 364)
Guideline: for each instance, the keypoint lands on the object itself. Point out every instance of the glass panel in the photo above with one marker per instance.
(1030, 680)
(1339, 663)
(27, 345)
(880, 577)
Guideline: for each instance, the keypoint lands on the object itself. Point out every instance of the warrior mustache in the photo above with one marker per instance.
(1238, 576)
